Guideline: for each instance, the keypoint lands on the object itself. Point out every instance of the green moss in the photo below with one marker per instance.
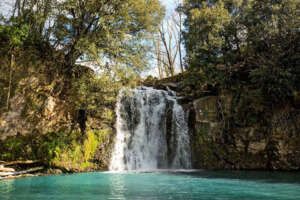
(68, 150)
(79, 154)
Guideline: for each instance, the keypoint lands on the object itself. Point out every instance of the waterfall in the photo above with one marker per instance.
(152, 131)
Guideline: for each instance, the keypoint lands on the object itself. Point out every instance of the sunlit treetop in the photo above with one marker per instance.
(95, 29)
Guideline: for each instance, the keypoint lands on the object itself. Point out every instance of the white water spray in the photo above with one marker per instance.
(152, 132)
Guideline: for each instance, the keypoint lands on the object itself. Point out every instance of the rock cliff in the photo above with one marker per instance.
(232, 136)
(238, 128)
(45, 124)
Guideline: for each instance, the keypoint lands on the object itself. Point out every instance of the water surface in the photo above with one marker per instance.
(200, 185)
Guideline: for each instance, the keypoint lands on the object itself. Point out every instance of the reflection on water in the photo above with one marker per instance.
(6, 188)
(117, 187)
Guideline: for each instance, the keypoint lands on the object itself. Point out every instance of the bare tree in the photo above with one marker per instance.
(179, 24)
(170, 47)
(169, 53)
(158, 55)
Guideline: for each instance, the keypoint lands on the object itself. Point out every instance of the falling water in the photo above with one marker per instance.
(152, 131)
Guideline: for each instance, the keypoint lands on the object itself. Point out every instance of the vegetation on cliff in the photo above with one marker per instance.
(241, 86)
(242, 69)
(62, 64)
(242, 42)
(243, 61)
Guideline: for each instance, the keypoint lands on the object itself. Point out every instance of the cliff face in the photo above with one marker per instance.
(237, 128)
(228, 135)
(230, 129)
(35, 110)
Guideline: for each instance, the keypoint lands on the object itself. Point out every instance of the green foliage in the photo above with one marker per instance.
(206, 27)
(96, 94)
(12, 37)
(17, 149)
(77, 154)
(16, 32)
(92, 30)
(111, 35)
(46, 39)
(65, 150)
(249, 109)
(227, 37)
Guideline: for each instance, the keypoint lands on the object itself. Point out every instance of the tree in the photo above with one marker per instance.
(15, 34)
(247, 35)
(93, 29)
(167, 34)
(206, 24)
(158, 54)
(179, 27)
(168, 43)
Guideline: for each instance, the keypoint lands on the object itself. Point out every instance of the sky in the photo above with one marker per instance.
(5, 5)
(170, 4)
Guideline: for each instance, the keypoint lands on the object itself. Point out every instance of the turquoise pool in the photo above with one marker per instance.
(206, 185)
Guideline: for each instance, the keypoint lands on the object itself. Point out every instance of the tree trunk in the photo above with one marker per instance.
(12, 60)
(25, 162)
(19, 173)
(159, 60)
(180, 40)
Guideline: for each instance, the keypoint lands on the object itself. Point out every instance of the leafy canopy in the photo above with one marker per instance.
(255, 37)
(98, 30)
